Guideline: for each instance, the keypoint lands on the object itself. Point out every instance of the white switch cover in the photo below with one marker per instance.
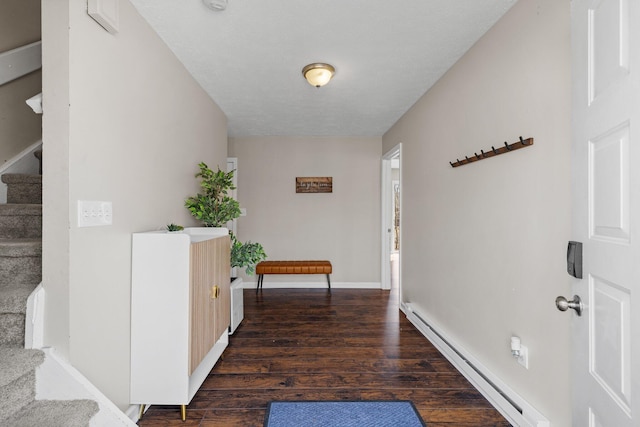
(523, 359)
(94, 213)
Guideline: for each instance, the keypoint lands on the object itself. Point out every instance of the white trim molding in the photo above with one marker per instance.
(35, 103)
(57, 379)
(511, 405)
(34, 322)
(20, 61)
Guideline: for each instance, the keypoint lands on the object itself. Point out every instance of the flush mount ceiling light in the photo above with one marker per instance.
(318, 74)
(217, 5)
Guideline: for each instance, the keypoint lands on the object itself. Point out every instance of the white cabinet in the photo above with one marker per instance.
(237, 304)
(180, 310)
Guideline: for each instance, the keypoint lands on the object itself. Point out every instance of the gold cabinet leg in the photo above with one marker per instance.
(142, 406)
(183, 412)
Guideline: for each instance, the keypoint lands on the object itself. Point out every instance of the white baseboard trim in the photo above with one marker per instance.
(57, 379)
(511, 405)
(313, 285)
(133, 412)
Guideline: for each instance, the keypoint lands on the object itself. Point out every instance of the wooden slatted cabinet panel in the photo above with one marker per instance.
(210, 296)
(222, 311)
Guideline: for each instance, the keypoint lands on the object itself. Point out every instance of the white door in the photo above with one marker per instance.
(606, 211)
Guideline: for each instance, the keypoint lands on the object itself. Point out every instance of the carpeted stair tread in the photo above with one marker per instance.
(54, 413)
(20, 247)
(13, 298)
(20, 273)
(21, 178)
(16, 362)
(23, 188)
(17, 379)
(32, 209)
(12, 325)
(22, 216)
(20, 220)
(13, 309)
(20, 261)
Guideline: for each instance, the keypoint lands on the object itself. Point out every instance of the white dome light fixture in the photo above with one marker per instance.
(318, 74)
(217, 5)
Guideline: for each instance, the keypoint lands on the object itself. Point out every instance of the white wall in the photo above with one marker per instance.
(343, 226)
(484, 244)
(123, 122)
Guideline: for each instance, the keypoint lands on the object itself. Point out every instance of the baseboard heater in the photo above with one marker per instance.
(513, 407)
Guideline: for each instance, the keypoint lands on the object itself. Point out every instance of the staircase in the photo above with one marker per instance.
(20, 273)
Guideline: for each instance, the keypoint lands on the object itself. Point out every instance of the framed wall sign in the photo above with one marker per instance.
(314, 184)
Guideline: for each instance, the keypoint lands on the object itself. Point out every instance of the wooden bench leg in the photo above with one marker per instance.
(260, 279)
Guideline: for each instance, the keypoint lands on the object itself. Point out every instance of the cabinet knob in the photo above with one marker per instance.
(215, 292)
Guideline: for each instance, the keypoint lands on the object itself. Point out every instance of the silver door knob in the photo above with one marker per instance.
(575, 304)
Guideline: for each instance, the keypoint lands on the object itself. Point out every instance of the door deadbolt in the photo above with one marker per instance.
(575, 304)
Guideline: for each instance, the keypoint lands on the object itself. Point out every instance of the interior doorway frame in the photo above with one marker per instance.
(386, 198)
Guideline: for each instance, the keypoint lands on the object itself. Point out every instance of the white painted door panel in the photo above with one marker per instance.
(606, 187)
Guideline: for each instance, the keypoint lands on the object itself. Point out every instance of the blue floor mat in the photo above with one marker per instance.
(343, 414)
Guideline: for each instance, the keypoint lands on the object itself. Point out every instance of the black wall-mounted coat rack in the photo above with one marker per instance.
(506, 148)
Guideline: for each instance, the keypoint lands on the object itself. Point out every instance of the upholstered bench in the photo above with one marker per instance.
(293, 267)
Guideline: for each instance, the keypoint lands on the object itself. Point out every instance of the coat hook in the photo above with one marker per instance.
(522, 141)
(467, 158)
(494, 150)
(458, 160)
(451, 164)
(507, 145)
(482, 151)
(477, 158)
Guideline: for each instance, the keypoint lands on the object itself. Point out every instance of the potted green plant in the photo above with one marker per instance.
(215, 208)
(246, 255)
(173, 228)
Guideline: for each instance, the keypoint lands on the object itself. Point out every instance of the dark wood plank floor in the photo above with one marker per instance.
(308, 345)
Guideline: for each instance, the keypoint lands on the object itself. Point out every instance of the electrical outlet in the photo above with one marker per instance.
(523, 358)
(94, 213)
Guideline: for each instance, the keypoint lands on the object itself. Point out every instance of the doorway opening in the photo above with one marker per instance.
(391, 214)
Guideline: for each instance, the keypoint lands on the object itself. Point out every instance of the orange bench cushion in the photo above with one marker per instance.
(294, 267)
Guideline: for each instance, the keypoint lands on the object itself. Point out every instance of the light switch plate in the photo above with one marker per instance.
(94, 213)
(523, 359)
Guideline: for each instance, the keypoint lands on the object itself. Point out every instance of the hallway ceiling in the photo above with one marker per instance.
(249, 57)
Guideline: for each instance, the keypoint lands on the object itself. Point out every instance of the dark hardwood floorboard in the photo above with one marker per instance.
(299, 344)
